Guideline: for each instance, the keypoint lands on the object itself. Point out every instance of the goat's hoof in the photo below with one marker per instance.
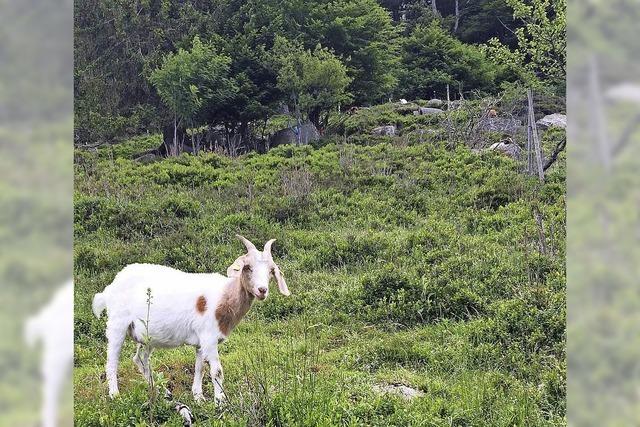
(199, 397)
(220, 399)
(113, 394)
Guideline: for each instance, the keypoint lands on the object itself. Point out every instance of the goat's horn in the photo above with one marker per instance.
(250, 246)
(267, 246)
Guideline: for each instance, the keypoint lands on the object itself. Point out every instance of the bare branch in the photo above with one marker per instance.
(554, 156)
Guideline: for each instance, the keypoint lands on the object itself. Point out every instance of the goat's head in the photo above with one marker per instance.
(255, 268)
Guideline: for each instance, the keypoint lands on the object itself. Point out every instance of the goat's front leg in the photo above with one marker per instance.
(198, 374)
(211, 355)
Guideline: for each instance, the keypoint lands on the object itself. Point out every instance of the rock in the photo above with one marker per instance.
(283, 108)
(508, 148)
(427, 111)
(500, 124)
(399, 390)
(553, 120)
(403, 101)
(435, 103)
(307, 132)
(389, 130)
(147, 158)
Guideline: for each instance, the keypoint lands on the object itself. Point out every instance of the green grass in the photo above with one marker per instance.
(412, 265)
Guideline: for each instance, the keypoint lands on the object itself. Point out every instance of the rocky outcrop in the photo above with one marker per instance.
(427, 111)
(508, 148)
(435, 103)
(306, 133)
(389, 130)
(553, 121)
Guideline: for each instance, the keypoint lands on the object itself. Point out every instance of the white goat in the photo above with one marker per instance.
(186, 308)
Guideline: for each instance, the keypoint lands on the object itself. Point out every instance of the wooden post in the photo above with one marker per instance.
(449, 126)
(529, 145)
(536, 140)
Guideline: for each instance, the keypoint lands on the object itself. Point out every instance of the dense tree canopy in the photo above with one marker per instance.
(129, 57)
(314, 81)
(433, 59)
(363, 34)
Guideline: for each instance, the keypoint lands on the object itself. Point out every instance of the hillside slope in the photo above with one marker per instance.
(441, 270)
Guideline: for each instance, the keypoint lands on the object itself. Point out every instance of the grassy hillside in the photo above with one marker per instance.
(438, 269)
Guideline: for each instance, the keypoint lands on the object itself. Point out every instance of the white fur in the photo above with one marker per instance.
(173, 317)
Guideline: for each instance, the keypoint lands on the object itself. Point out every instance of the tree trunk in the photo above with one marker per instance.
(243, 131)
(314, 117)
(298, 120)
(172, 134)
(434, 8)
(175, 136)
(457, 21)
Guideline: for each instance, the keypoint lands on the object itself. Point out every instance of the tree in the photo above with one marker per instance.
(433, 58)
(541, 51)
(362, 34)
(314, 81)
(189, 80)
(117, 44)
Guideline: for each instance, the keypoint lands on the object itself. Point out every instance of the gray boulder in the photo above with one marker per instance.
(307, 133)
(427, 111)
(435, 103)
(283, 108)
(553, 120)
(508, 148)
(389, 130)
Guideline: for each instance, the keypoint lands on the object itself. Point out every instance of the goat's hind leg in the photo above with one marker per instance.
(115, 337)
(198, 374)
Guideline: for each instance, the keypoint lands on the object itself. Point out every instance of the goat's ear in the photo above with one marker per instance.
(282, 285)
(235, 269)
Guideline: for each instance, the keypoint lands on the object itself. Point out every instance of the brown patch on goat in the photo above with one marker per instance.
(201, 304)
(234, 304)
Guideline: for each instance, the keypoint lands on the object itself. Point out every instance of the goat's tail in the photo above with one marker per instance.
(98, 305)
